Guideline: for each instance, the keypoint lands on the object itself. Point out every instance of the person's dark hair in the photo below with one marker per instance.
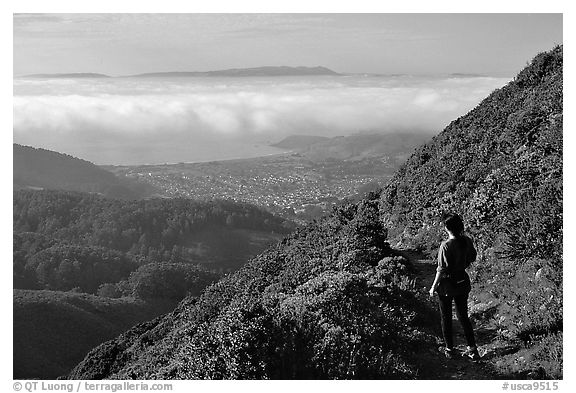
(454, 224)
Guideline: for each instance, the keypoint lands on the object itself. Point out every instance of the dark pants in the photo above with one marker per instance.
(461, 302)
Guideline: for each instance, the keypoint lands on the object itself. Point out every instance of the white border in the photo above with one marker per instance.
(300, 6)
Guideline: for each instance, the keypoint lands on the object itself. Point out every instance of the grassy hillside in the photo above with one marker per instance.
(333, 300)
(54, 330)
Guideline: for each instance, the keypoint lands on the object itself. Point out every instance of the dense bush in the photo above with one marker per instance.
(24, 246)
(64, 267)
(172, 281)
(330, 301)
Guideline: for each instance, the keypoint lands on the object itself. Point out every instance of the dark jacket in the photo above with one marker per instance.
(455, 255)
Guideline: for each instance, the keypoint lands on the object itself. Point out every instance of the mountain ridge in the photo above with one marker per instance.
(231, 72)
(245, 72)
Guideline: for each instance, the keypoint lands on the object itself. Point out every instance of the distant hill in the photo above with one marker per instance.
(36, 168)
(54, 330)
(333, 301)
(76, 75)
(245, 72)
(354, 147)
(299, 141)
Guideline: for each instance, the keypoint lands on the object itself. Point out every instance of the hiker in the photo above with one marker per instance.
(452, 283)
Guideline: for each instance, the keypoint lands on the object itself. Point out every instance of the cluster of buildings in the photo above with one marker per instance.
(294, 191)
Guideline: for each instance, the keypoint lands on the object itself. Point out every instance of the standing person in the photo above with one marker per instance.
(453, 284)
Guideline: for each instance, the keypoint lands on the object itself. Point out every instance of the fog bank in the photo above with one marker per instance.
(131, 120)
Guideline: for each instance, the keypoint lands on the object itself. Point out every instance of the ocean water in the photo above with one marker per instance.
(166, 120)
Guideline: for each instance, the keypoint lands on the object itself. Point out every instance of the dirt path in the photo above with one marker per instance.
(434, 364)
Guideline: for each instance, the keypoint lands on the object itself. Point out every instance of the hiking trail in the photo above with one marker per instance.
(434, 365)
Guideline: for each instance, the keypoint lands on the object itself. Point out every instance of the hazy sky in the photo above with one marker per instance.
(120, 44)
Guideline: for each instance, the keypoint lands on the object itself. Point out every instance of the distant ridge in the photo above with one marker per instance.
(235, 72)
(358, 146)
(78, 75)
(243, 72)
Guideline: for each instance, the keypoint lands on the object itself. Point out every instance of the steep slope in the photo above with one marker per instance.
(500, 166)
(519, 125)
(330, 301)
(334, 301)
(40, 168)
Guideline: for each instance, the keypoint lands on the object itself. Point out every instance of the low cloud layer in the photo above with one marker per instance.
(130, 121)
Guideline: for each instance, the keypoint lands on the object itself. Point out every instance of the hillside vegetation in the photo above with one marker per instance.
(53, 331)
(334, 300)
(331, 301)
(53, 226)
(139, 257)
(44, 169)
(501, 167)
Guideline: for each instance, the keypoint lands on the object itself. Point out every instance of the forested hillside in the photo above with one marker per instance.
(139, 257)
(122, 234)
(334, 300)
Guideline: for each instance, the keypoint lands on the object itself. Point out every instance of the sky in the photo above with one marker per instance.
(122, 44)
